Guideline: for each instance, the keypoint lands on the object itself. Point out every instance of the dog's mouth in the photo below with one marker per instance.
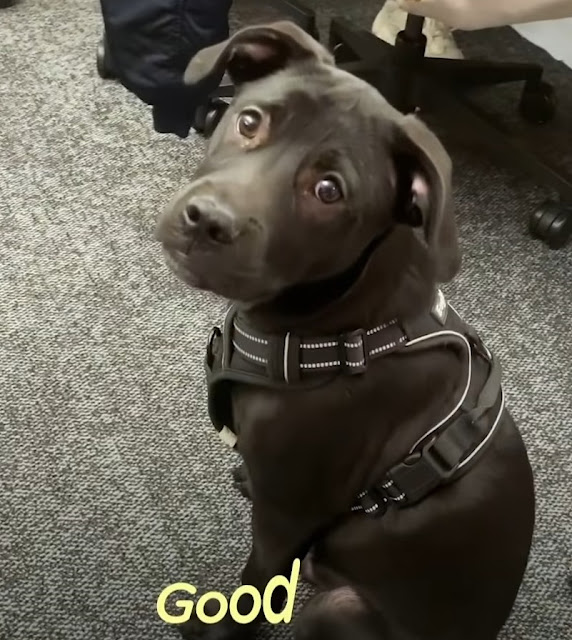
(198, 271)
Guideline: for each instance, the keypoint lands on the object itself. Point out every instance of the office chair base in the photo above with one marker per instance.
(538, 103)
(552, 223)
(412, 82)
(299, 13)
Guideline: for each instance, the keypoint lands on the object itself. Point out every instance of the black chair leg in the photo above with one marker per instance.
(474, 73)
(537, 104)
(298, 13)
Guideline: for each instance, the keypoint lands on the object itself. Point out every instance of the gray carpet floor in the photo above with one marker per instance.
(112, 484)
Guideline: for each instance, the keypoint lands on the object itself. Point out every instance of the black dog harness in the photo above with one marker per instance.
(239, 354)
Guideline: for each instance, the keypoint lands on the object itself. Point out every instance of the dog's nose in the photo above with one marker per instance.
(205, 221)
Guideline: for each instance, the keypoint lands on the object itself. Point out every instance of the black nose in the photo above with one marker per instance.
(205, 221)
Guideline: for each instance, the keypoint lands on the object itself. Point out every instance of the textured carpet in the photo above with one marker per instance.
(112, 484)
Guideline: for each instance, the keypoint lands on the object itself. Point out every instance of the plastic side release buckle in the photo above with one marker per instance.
(418, 475)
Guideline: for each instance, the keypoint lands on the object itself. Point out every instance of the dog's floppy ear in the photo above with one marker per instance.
(256, 52)
(425, 196)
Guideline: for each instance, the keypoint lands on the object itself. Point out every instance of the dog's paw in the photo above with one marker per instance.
(226, 629)
(240, 481)
(194, 629)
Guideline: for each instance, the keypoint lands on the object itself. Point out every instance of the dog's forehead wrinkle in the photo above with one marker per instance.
(370, 99)
(277, 87)
(318, 86)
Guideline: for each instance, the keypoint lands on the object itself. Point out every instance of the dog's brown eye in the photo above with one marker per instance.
(249, 122)
(328, 190)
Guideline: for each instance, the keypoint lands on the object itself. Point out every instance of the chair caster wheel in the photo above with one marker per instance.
(104, 66)
(538, 103)
(340, 50)
(342, 53)
(208, 116)
(552, 223)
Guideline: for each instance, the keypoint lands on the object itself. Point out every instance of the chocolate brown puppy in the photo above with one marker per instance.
(370, 418)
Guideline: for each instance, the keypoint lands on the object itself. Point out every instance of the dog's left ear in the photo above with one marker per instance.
(425, 196)
(256, 52)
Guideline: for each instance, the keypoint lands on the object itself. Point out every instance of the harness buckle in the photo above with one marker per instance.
(442, 467)
(418, 475)
(353, 352)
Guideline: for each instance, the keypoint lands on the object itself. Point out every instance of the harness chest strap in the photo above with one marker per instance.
(241, 354)
(443, 458)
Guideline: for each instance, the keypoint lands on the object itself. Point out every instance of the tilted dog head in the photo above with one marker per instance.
(308, 166)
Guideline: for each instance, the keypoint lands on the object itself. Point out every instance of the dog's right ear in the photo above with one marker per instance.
(425, 193)
(256, 52)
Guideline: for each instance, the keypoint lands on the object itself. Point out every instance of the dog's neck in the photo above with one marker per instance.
(395, 281)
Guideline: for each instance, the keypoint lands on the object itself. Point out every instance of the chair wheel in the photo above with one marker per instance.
(342, 53)
(340, 50)
(104, 67)
(538, 103)
(552, 223)
(208, 116)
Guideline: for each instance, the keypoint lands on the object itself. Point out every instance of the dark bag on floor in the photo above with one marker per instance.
(150, 43)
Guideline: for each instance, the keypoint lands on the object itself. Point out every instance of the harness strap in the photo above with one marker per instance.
(444, 457)
(239, 354)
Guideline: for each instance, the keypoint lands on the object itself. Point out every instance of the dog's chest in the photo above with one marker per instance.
(347, 419)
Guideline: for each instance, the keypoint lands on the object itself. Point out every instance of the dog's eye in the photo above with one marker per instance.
(249, 122)
(328, 190)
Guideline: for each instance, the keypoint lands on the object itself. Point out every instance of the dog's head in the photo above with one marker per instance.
(308, 166)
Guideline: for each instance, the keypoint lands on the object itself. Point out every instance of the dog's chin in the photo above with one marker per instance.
(176, 261)
(223, 282)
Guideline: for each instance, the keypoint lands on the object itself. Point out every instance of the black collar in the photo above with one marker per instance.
(289, 358)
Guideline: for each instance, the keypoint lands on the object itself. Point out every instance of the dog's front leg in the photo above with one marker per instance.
(276, 544)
